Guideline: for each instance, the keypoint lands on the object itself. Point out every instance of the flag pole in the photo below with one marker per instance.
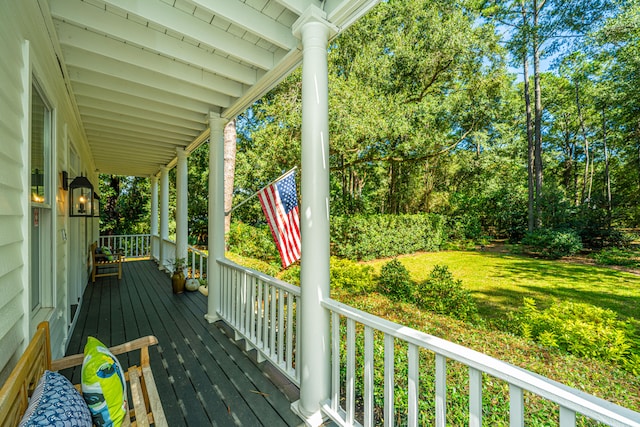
(256, 193)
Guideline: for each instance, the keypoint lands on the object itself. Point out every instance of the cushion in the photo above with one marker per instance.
(103, 385)
(56, 402)
(106, 251)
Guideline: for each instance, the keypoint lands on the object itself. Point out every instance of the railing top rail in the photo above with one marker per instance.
(265, 278)
(576, 400)
(198, 251)
(124, 235)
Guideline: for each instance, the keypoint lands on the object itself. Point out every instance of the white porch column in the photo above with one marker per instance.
(182, 216)
(164, 212)
(154, 217)
(216, 212)
(315, 351)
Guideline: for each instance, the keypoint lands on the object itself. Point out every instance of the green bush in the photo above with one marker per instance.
(580, 329)
(615, 256)
(553, 244)
(351, 276)
(443, 294)
(394, 281)
(253, 242)
(290, 275)
(382, 236)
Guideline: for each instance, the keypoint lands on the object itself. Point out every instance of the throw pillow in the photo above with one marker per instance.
(55, 401)
(106, 251)
(103, 385)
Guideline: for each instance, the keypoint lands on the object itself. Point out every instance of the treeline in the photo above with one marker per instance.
(426, 117)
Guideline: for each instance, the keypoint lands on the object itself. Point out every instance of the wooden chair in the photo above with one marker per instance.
(145, 408)
(101, 261)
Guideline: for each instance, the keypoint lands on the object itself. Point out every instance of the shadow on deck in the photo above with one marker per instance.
(203, 377)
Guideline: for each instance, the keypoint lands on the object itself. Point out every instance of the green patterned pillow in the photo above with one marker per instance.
(107, 252)
(103, 385)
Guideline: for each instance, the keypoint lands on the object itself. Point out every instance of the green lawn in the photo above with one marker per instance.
(499, 282)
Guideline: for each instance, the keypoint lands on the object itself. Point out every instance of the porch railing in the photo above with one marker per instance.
(357, 332)
(264, 312)
(131, 245)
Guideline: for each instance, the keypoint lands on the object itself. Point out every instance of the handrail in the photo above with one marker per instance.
(265, 312)
(570, 400)
(131, 245)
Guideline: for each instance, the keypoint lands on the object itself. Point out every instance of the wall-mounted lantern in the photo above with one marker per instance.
(81, 197)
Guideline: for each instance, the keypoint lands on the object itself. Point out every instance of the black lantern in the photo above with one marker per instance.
(81, 197)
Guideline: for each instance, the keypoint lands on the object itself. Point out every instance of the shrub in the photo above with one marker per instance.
(580, 329)
(253, 242)
(394, 281)
(553, 243)
(381, 236)
(290, 275)
(351, 276)
(615, 256)
(443, 294)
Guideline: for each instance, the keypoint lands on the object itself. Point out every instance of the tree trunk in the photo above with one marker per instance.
(606, 167)
(586, 148)
(538, 113)
(229, 170)
(530, 149)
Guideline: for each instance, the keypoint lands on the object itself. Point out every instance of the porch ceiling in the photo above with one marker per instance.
(144, 74)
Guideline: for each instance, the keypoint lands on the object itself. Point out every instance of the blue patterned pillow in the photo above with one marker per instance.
(56, 402)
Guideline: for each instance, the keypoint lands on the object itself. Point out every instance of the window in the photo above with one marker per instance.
(41, 212)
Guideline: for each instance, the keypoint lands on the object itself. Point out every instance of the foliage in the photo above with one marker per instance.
(379, 236)
(394, 281)
(124, 205)
(253, 242)
(290, 275)
(350, 276)
(581, 329)
(616, 256)
(443, 294)
(553, 244)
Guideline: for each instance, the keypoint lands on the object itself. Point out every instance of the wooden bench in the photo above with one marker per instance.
(102, 261)
(145, 406)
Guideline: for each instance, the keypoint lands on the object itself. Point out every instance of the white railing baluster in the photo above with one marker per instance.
(441, 390)
(260, 298)
(516, 406)
(475, 398)
(281, 332)
(389, 380)
(351, 371)
(335, 361)
(368, 376)
(567, 417)
(272, 324)
(413, 355)
(289, 355)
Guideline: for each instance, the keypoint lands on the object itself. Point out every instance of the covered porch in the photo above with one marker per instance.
(203, 376)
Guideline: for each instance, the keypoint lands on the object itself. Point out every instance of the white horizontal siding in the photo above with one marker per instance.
(13, 200)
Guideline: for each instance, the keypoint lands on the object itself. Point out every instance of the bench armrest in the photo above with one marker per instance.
(141, 344)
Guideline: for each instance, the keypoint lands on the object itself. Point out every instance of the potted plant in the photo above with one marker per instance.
(177, 279)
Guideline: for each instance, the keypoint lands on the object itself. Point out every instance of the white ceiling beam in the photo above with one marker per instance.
(135, 127)
(91, 78)
(154, 134)
(297, 6)
(251, 20)
(76, 38)
(155, 41)
(90, 61)
(127, 141)
(140, 136)
(140, 149)
(93, 114)
(81, 89)
(188, 25)
(99, 104)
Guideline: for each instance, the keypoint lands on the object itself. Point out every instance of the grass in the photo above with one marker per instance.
(499, 282)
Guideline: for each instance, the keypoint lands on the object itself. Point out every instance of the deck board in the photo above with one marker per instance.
(203, 377)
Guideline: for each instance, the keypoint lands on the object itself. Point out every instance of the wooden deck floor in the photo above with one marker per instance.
(203, 377)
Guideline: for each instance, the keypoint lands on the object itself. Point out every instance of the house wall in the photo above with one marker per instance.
(27, 49)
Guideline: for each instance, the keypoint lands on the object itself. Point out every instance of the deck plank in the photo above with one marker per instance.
(203, 377)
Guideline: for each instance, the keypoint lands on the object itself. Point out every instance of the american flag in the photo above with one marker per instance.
(280, 205)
